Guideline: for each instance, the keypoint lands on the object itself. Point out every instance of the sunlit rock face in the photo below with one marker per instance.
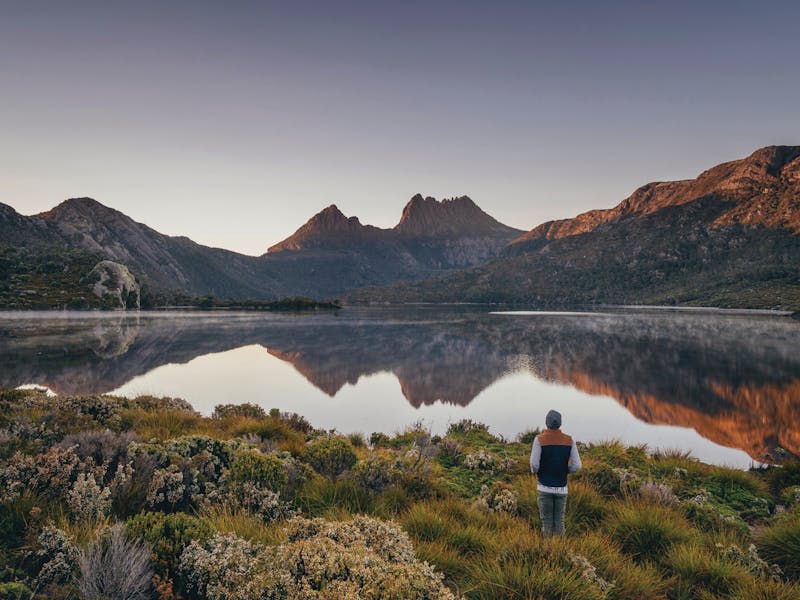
(115, 283)
(764, 189)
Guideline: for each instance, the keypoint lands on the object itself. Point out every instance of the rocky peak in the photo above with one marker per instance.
(329, 225)
(84, 215)
(77, 205)
(762, 189)
(427, 216)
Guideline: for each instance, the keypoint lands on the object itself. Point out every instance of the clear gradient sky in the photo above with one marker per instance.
(234, 122)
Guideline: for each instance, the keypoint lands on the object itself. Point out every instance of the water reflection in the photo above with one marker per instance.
(734, 379)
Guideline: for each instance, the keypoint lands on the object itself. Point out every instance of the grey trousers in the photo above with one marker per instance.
(551, 509)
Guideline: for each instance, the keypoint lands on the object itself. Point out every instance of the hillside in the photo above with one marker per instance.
(728, 238)
(147, 496)
(327, 256)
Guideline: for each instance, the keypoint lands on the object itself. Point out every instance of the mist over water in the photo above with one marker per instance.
(724, 386)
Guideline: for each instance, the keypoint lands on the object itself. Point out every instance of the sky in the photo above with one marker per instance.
(234, 122)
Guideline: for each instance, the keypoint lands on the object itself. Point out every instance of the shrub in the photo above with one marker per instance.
(765, 589)
(167, 488)
(784, 476)
(375, 473)
(265, 469)
(50, 473)
(378, 439)
(247, 410)
(296, 422)
(14, 518)
(15, 591)
(450, 453)
(330, 455)
(740, 491)
(357, 440)
(103, 410)
(648, 532)
(657, 493)
(780, 544)
(155, 403)
(706, 512)
(256, 500)
(498, 498)
(486, 461)
(115, 567)
(353, 559)
(699, 570)
(88, 501)
(467, 426)
(589, 572)
(586, 509)
(224, 568)
(600, 476)
(105, 447)
(167, 535)
(187, 469)
(751, 561)
(526, 437)
(791, 496)
(57, 555)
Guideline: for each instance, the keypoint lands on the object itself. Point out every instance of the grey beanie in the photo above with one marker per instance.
(553, 419)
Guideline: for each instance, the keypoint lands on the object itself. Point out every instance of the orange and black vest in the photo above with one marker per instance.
(554, 462)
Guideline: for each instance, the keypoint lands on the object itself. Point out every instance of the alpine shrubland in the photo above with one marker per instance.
(108, 497)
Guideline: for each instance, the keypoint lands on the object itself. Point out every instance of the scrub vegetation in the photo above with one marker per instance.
(107, 497)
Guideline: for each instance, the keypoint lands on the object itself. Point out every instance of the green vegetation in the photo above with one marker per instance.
(295, 303)
(251, 504)
(55, 277)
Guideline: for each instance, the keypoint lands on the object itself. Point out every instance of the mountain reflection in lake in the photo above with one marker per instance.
(726, 387)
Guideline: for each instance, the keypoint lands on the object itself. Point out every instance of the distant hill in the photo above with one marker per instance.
(329, 255)
(728, 238)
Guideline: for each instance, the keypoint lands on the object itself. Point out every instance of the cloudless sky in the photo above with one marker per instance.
(234, 122)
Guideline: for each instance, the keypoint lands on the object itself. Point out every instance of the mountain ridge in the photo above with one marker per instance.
(421, 218)
(327, 256)
(728, 237)
(750, 177)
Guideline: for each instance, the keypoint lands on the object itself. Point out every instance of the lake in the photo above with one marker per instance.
(725, 386)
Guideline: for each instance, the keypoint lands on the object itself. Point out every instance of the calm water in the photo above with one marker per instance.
(725, 386)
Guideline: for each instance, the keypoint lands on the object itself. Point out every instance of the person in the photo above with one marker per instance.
(554, 455)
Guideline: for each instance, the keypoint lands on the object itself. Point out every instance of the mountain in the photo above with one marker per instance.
(327, 256)
(763, 189)
(168, 262)
(331, 253)
(328, 229)
(431, 235)
(728, 237)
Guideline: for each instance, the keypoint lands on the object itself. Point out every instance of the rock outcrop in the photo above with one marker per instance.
(115, 284)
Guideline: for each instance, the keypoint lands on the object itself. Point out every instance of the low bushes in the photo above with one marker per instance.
(647, 533)
(780, 544)
(215, 502)
(330, 455)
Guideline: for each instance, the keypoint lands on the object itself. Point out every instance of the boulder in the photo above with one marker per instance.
(116, 285)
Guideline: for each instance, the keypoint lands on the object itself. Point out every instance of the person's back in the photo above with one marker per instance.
(553, 456)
